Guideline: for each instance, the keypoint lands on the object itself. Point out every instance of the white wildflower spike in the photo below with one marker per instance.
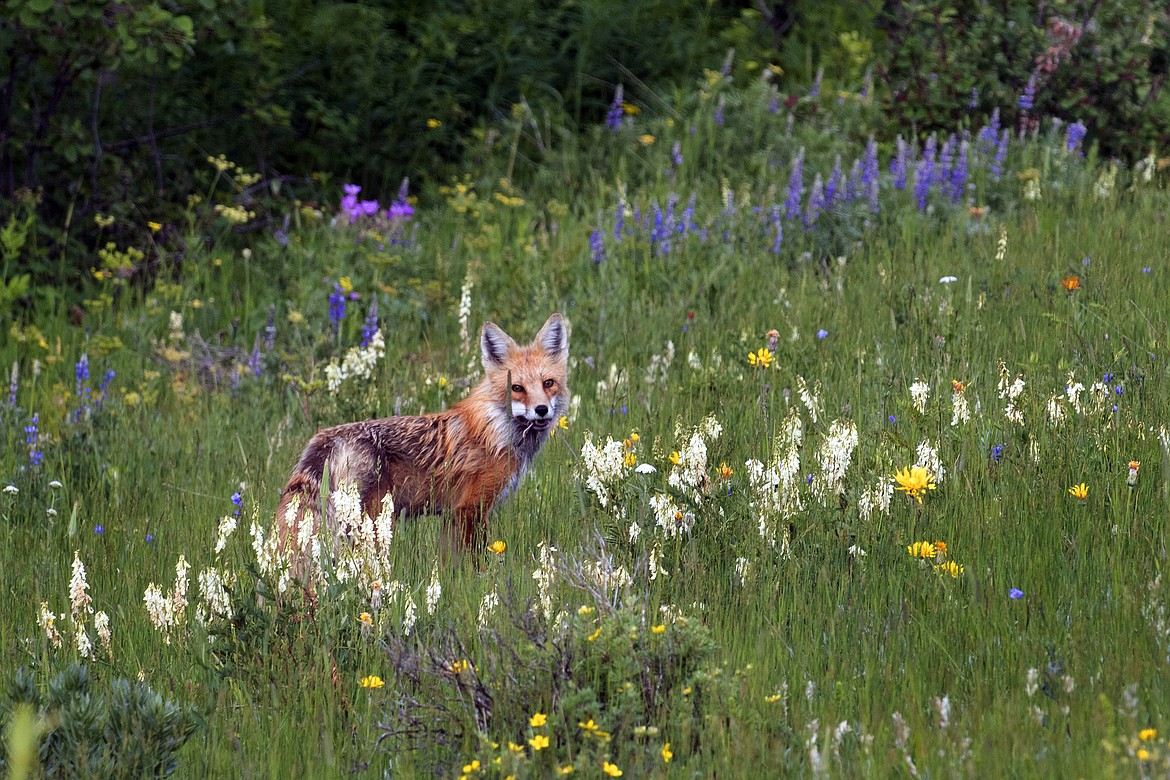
(743, 569)
(602, 467)
(487, 607)
(434, 590)
(409, 616)
(810, 398)
(836, 453)
(545, 576)
(216, 601)
(656, 372)
(79, 601)
(48, 623)
(227, 524)
(960, 409)
(1055, 410)
(655, 563)
(178, 595)
(776, 488)
(101, 626)
(359, 362)
(928, 459)
(919, 394)
(876, 498)
(81, 636)
(1073, 391)
(464, 313)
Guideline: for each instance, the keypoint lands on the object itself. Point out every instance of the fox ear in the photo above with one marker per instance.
(553, 338)
(494, 346)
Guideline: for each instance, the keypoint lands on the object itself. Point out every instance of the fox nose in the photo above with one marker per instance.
(541, 410)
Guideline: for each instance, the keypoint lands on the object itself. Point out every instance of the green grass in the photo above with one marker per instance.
(763, 668)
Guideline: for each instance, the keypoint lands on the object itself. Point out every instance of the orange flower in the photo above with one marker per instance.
(1071, 283)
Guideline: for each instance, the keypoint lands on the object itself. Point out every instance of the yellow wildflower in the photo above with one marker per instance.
(154, 226)
(1079, 492)
(539, 742)
(498, 547)
(1147, 735)
(658, 629)
(610, 769)
(922, 550)
(666, 754)
(433, 123)
(372, 681)
(646, 139)
(914, 481)
(761, 358)
(537, 720)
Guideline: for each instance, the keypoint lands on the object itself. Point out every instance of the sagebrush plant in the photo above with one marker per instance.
(809, 510)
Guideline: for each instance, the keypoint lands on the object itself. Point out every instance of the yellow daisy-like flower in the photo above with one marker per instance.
(630, 460)
(1079, 492)
(537, 720)
(775, 697)
(594, 635)
(950, 567)
(459, 667)
(346, 285)
(914, 481)
(922, 550)
(567, 769)
(539, 742)
(472, 767)
(433, 123)
(1143, 754)
(372, 681)
(610, 769)
(630, 109)
(634, 437)
(588, 725)
(154, 226)
(515, 748)
(666, 754)
(761, 358)
(1147, 735)
(646, 139)
(658, 629)
(366, 619)
(725, 471)
(563, 423)
(585, 609)
(675, 457)
(498, 547)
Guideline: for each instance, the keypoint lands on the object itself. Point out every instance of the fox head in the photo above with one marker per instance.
(532, 377)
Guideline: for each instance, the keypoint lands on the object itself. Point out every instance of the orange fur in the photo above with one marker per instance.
(458, 462)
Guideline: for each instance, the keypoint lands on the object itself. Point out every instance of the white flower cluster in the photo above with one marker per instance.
(358, 362)
(656, 372)
(213, 588)
(545, 575)
(876, 498)
(465, 313)
(689, 475)
(775, 489)
(602, 466)
(960, 409)
(168, 612)
(227, 524)
(1011, 391)
(836, 454)
(1055, 410)
(810, 398)
(928, 459)
(434, 591)
(668, 516)
(919, 394)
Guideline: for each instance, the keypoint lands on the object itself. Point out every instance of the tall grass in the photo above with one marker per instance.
(820, 646)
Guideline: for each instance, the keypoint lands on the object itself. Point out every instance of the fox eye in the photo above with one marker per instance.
(548, 383)
(517, 388)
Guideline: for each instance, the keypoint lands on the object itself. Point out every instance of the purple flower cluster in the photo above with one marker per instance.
(337, 302)
(370, 326)
(1028, 98)
(597, 246)
(31, 434)
(795, 187)
(1074, 136)
(399, 211)
(613, 117)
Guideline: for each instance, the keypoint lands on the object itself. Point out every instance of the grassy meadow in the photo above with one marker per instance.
(711, 569)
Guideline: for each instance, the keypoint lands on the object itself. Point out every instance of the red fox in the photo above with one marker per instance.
(459, 462)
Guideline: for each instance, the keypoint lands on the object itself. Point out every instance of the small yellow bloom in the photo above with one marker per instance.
(567, 769)
(372, 681)
(775, 697)
(950, 567)
(365, 619)
(1080, 492)
(630, 460)
(958, 386)
(461, 666)
(472, 767)
(563, 423)
(594, 635)
(1143, 754)
(196, 304)
(295, 317)
(761, 358)
(666, 754)
(922, 550)
(539, 742)
(585, 609)
(674, 457)
(1147, 735)
(658, 629)
(346, 285)
(634, 437)
(588, 725)
(1071, 283)
(537, 720)
(646, 139)
(514, 747)
(610, 769)
(154, 226)
(940, 548)
(630, 109)
(498, 547)
(433, 123)
(217, 262)
(914, 481)
(687, 691)
(442, 382)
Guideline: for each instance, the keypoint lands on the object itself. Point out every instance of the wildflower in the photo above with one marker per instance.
(822, 334)
(1071, 283)
(666, 754)
(539, 742)
(610, 769)
(594, 635)
(646, 139)
(658, 629)
(567, 769)
(773, 698)
(1131, 478)
(99, 529)
(725, 471)
(761, 358)
(372, 681)
(674, 458)
(645, 468)
(613, 117)
(949, 567)
(498, 547)
(1148, 735)
(1079, 492)
(588, 725)
(154, 226)
(795, 187)
(433, 123)
(1143, 754)
(919, 393)
(1015, 593)
(922, 550)
(563, 423)
(537, 720)
(459, 667)
(914, 481)
(472, 767)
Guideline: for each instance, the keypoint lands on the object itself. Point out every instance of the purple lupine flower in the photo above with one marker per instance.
(1028, 98)
(349, 202)
(778, 227)
(815, 89)
(687, 223)
(924, 174)
(370, 326)
(31, 434)
(676, 158)
(795, 186)
(613, 117)
(81, 371)
(833, 185)
(1074, 136)
(869, 174)
(997, 453)
(727, 61)
(13, 384)
(254, 359)
(399, 211)
(1000, 154)
(336, 306)
(99, 529)
(84, 392)
(816, 201)
(988, 136)
(946, 159)
(597, 246)
(898, 164)
(959, 175)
